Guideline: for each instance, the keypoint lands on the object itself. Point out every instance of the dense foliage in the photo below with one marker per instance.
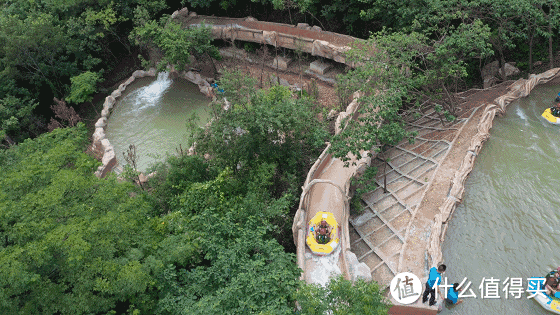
(65, 49)
(340, 297)
(263, 127)
(58, 49)
(71, 243)
(522, 31)
(398, 75)
(176, 43)
(75, 244)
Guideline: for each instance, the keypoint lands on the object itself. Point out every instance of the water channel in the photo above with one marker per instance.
(509, 222)
(152, 115)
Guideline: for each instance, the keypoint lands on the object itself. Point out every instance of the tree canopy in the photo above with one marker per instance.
(76, 244)
(43, 44)
(176, 42)
(260, 126)
(341, 297)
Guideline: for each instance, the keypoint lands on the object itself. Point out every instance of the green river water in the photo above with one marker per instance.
(509, 222)
(152, 115)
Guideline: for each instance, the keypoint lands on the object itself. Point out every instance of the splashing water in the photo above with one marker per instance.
(521, 115)
(150, 95)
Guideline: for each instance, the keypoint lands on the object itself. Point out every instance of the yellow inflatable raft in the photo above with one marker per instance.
(313, 232)
(549, 303)
(550, 118)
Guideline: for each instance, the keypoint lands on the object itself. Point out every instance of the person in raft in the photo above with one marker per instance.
(453, 295)
(558, 98)
(555, 111)
(433, 280)
(551, 285)
(323, 233)
(555, 273)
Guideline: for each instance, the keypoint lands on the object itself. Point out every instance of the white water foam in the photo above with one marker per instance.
(326, 267)
(150, 95)
(521, 115)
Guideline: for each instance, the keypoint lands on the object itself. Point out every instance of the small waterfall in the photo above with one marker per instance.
(150, 95)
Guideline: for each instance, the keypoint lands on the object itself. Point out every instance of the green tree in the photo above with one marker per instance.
(34, 49)
(83, 87)
(239, 87)
(43, 45)
(17, 118)
(245, 270)
(400, 72)
(502, 18)
(175, 177)
(75, 244)
(271, 127)
(340, 297)
(176, 42)
(550, 11)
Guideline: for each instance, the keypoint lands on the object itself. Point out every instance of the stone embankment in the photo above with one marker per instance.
(101, 146)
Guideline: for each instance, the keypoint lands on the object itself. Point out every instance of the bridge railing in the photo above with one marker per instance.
(315, 42)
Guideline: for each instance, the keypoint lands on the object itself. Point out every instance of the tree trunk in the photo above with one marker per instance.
(451, 100)
(277, 63)
(213, 64)
(441, 119)
(501, 59)
(264, 50)
(550, 54)
(531, 36)
(384, 169)
(9, 140)
(503, 65)
(385, 177)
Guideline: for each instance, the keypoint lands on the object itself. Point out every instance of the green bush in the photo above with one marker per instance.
(342, 298)
(250, 47)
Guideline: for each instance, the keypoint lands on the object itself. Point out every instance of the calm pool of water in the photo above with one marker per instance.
(152, 115)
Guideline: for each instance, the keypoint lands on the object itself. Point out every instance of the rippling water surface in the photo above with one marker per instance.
(152, 115)
(509, 222)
